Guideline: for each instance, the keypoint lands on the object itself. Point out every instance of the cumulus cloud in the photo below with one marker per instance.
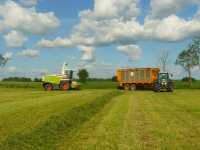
(29, 53)
(15, 39)
(164, 8)
(88, 53)
(134, 52)
(26, 20)
(104, 9)
(28, 2)
(171, 29)
(115, 22)
(8, 55)
(8, 69)
(58, 42)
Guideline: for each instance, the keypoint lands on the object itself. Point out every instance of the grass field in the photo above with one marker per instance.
(91, 85)
(98, 119)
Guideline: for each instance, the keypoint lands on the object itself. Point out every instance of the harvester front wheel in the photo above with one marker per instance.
(48, 87)
(65, 86)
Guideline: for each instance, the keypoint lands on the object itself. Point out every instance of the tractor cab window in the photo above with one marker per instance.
(163, 76)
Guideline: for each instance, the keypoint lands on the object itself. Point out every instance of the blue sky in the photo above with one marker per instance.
(131, 42)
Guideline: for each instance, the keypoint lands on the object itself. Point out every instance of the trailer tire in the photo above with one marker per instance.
(127, 87)
(133, 87)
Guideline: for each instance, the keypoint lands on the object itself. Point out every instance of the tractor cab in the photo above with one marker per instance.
(163, 78)
(164, 83)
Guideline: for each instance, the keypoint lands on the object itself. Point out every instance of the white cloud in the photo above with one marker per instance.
(164, 8)
(15, 39)
(58, 42)
(27, 20)
(28, 2)
(88, 53)
(171, 29)
(177, 71)
(8, 69)
(8, 55)
(134, 52)
(29, 53)
(109, 9)
(114, 22)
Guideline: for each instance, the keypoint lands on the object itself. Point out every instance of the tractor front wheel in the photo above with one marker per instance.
(157, 87)
(65, 86)
(48, 87)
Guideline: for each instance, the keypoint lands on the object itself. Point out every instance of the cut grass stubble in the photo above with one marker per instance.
(47, 135)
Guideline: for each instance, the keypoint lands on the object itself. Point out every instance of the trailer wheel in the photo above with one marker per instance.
(65, 86)
(126, 87)
(48, 87)
(133, 87)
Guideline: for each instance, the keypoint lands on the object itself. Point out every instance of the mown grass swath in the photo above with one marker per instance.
(46, 135)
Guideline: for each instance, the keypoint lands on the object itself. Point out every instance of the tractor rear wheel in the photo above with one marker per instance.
(48, 87)
(170, 87)
(65, 86)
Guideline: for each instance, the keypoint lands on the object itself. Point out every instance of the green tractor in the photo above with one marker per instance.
(63, 81)
(164, 83)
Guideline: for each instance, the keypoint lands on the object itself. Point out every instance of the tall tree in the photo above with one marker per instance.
(163, 60)
(83, 75)
(188, 59)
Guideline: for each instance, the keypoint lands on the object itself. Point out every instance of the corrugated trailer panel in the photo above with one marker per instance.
(137, 75)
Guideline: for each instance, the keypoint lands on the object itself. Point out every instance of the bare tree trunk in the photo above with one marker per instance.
(190, 76)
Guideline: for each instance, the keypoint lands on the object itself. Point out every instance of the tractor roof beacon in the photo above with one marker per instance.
(63, 81)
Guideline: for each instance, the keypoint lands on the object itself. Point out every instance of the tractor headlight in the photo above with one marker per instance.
(164, 82)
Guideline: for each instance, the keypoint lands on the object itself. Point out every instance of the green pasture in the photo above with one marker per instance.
(32, 119)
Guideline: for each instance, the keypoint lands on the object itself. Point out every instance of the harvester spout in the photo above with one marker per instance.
(64, 68)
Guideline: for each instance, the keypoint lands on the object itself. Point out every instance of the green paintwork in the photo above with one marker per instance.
(54, 79)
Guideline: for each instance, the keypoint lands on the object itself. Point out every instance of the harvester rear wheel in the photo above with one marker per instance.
(65, 86)
(48, 87)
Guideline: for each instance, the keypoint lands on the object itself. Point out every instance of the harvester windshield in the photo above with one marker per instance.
(67, 73)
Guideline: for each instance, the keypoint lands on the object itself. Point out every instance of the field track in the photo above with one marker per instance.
(99, 119)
